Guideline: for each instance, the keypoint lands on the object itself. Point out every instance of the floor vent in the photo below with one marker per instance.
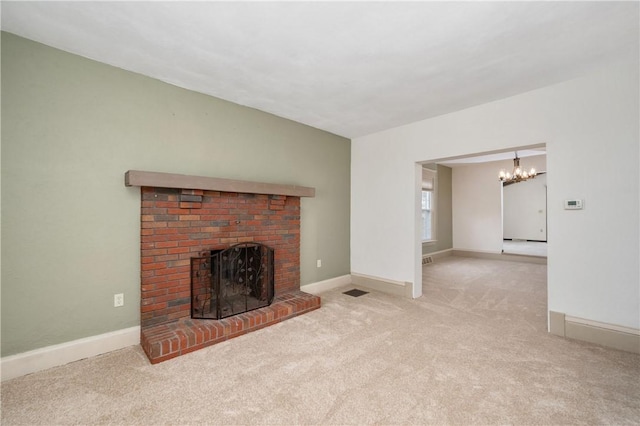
(426, 260)
(355, 292)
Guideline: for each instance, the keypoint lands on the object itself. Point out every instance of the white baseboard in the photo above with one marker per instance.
(331, 283)
(610, 335)
(64, 353)
(397, 288)
(612, 327)
(500, 256)
(439, 254)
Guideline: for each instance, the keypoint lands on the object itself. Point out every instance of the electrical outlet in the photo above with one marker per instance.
(319, 263)
(118, 300)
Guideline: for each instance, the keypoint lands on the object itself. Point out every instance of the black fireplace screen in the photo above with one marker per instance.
(231, 281)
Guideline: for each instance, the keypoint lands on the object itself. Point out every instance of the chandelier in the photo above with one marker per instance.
(518, 174)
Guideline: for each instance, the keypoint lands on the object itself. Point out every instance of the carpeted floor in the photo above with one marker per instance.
(473, 350)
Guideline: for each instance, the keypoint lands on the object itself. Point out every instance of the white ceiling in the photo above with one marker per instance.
(351, 68)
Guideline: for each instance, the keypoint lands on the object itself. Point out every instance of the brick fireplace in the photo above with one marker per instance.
(179, 222)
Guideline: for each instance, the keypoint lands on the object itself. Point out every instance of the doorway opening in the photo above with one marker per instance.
(476, 203)
(524, 212)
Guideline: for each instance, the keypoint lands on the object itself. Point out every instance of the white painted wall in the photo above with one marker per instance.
(591, 129)
(477, 208)
(477, 203)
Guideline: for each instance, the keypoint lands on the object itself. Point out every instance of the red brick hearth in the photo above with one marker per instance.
(169, 340)
(178, 224)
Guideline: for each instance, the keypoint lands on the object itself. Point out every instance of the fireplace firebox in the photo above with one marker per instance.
(232, 281)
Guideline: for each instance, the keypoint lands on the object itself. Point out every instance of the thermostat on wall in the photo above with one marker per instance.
(573, 204)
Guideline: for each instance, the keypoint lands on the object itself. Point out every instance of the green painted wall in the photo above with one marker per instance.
(444, 228)
(72, 127)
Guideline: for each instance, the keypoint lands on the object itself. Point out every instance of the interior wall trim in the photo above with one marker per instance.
(501, 256)
(610, 335)
(592, 323)
(56, 355)
(396, 288)
(439, 254)
(331, 283)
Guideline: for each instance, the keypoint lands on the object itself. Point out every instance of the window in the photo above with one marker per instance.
(428, 204)
(427, 215)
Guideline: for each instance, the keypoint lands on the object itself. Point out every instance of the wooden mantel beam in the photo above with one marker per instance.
(172, 180)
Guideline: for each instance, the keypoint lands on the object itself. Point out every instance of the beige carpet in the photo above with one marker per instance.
(472, 350)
